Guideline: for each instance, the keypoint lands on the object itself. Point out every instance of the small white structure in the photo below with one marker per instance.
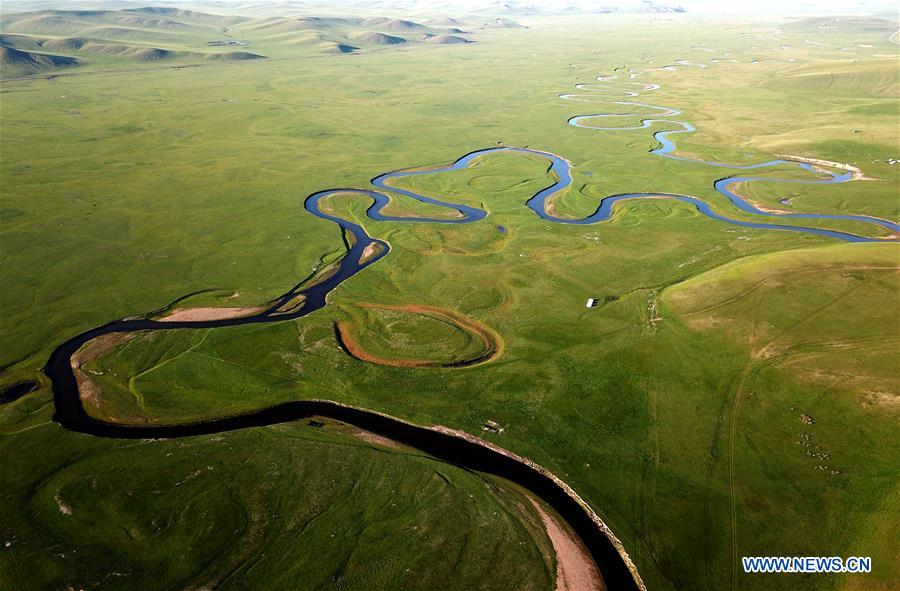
(590, 303)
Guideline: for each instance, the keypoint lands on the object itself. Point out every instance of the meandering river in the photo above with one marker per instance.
(616, 567)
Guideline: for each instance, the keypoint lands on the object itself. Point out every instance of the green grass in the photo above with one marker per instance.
(413, 335)
(788, 311)
(263, 508)
(123, 191)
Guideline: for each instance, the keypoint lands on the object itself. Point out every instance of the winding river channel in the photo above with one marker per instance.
(613, 562)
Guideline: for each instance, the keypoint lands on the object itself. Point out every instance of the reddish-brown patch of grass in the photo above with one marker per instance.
(492, 344)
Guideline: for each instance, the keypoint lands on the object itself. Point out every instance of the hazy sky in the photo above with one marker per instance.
(884, 7)
(736, 6)
(706, 6)
(833, 6)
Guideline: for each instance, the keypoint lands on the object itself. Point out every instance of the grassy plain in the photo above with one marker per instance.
(263, 508)
(416, 336)
(674, 408)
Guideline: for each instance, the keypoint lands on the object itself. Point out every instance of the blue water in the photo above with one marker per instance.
(561, 169)
(667, 149)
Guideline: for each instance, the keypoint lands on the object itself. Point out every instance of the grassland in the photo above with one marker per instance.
(262, 508)
(675, 408)
(393, 335)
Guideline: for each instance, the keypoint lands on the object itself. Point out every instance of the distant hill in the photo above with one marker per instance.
(64, 43)
(303, 23)
(375, 22)
(75, 22)
(445, 39)
(43, 24)
(25, 42)
(166, 10)
(150, 23)
(145, 54)
(400, 26)
(379, 39)
(100, 47)
(187, 15)
(305, 38)
(164, 33)
(329, 21)
(503, 23)
(117, 33)
(232, 56)
(331, 47)
(20, 61)
(528, 8)
(656, 9)
(444, 21)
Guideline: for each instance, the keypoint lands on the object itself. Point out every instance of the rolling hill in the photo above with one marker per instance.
(169, 34)
(379, 39)
(17, 61)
